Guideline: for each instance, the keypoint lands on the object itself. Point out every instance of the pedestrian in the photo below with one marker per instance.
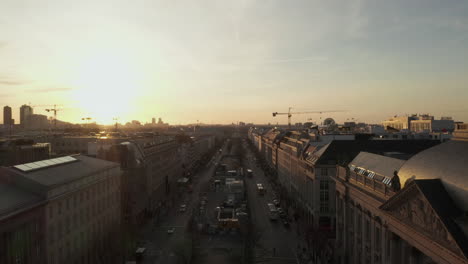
(274, 252)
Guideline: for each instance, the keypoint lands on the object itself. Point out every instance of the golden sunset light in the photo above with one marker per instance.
(234, 131)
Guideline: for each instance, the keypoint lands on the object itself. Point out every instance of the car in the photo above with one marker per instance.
(182, 208)
(281, 212)
(171, 230)
(276, 202)
(286, 223)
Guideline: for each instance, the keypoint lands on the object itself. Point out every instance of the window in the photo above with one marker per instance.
(324, 196)
(323, 208)
(51, 234)
(51, 212)
(377, 241)
(323, 171)
(67, 224)
(368, 230)
(60, 208)
(323, 185)
(59, 234)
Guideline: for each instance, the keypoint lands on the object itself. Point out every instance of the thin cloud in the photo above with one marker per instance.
(49, 90)
(292, 60)
(5, 95)
(7, 82)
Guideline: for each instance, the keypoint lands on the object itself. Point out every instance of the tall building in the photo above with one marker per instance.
(21, 225)
(25, 112)
(404, 211)
(7, 120)
(80, 212)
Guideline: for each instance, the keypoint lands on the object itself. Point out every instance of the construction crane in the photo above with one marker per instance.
(55, 110)
(289, 113)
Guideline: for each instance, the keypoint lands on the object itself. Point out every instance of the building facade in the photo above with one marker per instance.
(7, 116)
(404, 211)
(25, 112)
(81, 215)
(21, 225)
(163, 169)
(13, 152)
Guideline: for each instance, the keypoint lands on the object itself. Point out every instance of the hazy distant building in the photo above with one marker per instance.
(19, 151)
(38, 122)
(397, 122)
(419, 123)
(153, 121)
(25, 112)
(430, 125)
(7, 117)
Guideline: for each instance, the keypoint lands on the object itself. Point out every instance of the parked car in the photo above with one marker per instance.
(281, 212)
(171, 230)
(182, 208)
(276, 202)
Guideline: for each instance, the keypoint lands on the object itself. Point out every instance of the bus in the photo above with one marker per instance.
(260, 189)
(273, 213)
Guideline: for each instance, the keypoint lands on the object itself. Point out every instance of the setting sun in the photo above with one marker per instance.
(106, 86)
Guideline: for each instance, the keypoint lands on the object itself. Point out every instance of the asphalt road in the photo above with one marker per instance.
(158, 243)
(274, 242)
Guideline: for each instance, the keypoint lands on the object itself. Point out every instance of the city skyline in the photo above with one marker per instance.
(222, 62)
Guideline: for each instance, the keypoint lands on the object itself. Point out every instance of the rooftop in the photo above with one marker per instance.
(13, 198)
(79, 166)
(448, 162)
(382, 165)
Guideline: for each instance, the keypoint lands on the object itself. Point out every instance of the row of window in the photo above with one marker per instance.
(77, 199)
(63, 227)
(81, 246)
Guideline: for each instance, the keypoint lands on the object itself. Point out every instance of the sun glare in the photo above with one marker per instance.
(106, 87)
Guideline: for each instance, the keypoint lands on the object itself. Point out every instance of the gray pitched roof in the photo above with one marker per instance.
(382, 165)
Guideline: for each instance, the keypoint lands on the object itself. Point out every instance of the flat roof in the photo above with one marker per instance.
(83, 166)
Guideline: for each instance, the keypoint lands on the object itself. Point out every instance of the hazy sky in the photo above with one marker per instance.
(224, 61)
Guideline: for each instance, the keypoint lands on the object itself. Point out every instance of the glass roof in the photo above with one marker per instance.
(44, 163)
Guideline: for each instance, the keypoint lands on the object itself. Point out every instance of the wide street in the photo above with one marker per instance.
(275, 243)
(159, 244)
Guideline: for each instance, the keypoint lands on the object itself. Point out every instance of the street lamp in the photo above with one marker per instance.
(116, 124)
(87, 120)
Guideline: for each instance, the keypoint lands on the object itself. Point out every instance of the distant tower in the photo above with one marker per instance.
(153, 120)
(7, 120)
(25, 112)
(160, 121)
